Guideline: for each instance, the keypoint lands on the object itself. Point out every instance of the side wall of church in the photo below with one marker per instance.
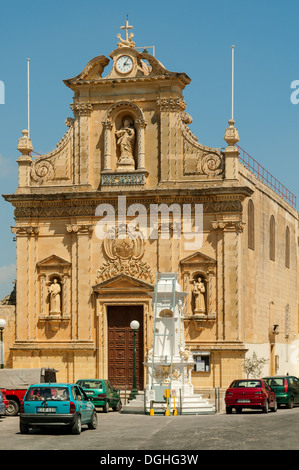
(269, 286)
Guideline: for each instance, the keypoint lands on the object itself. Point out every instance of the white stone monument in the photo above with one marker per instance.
(169, 363)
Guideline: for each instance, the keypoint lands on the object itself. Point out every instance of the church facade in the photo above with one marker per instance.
(129, 192)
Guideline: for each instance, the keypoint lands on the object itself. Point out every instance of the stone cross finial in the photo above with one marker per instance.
(127, 27)
(128, 38)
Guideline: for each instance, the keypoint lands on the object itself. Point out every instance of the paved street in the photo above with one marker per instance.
(251, 430)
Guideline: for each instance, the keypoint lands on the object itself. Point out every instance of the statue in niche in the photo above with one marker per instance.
(125, 142)
(199, 294)
(54, 291)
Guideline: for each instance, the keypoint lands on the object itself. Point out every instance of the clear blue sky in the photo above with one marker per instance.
(194, 37)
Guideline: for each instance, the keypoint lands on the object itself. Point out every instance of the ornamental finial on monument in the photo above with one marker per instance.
(25, 144)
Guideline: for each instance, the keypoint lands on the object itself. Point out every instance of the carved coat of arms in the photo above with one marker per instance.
(124, 250)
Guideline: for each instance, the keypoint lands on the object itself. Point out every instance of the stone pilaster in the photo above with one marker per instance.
(82, 304)
(140, 124)
(229, 245)
(26, 290)
(169, 109)
(82, 113)
(107, 125)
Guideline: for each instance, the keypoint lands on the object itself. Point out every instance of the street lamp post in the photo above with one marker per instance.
(135, 326)
(2, 326)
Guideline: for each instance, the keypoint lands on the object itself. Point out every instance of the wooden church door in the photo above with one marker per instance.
(121, 346)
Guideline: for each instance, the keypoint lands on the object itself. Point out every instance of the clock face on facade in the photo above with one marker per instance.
(124, 64)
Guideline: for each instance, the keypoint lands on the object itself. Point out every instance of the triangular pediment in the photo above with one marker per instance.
(53, 260)
(197, 258)
(123, 283)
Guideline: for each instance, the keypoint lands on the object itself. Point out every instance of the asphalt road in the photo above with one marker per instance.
(251, 430)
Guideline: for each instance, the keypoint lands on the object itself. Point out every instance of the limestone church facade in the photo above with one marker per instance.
(232, 240)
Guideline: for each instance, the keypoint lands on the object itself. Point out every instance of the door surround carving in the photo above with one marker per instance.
(122, 290)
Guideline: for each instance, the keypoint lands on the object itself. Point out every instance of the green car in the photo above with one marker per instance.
(101, 393)
(286, 389)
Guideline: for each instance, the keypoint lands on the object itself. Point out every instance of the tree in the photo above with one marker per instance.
(253, 366)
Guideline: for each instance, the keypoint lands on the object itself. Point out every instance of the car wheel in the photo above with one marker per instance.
(266, 407)
(229, 410)
(13, 408)
(24, 429)
(94, 421)
(118, 407)
(76, 428)
(106, 407)
(290, 403)
(274, 408)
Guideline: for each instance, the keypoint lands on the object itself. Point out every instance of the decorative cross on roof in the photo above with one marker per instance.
(127, 27)
(128, 39)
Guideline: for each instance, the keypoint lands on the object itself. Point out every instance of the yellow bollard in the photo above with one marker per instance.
(175, 411)
(167, 395)
(152, 413)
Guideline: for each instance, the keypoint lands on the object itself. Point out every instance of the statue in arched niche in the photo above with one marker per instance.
(125, 143)
(199, 295)
(54, 292)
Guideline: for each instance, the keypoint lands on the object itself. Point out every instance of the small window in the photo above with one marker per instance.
(47, 393)
(78, 394)
(287, 248)
(246, 383)
(272, 238)
(202, 363)
(250, 225)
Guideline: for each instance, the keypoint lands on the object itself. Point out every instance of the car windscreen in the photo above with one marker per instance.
(277, 382)
(47, 393)
(246, 383)
(90, 384)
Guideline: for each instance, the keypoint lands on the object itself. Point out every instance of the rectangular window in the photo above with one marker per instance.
(202, 361)
(287, 248)
(48, 393)
(272, 238)
(250, 225)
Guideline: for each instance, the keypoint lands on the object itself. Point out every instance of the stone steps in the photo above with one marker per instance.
(135, 406)
(193, 404)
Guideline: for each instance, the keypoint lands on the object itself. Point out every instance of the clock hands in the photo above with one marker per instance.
(124, 64)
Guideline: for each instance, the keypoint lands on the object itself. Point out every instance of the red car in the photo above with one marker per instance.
(250, 393)
(4, 398)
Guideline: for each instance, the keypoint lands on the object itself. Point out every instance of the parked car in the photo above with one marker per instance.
(57, 404)
(286, 388)
(15, 382)
(248, 393)
(102, 393)
(2, 405)
(6, 402)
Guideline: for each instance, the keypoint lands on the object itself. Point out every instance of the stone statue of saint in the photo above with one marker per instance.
(199, 294)
(54, 291)
(125, 142)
